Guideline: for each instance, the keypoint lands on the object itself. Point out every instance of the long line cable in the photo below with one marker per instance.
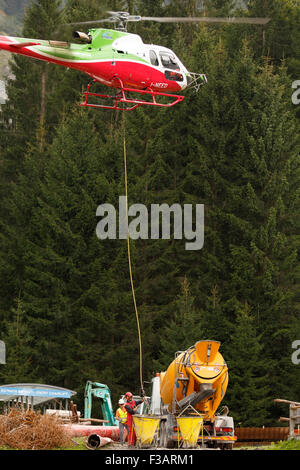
(129, 258)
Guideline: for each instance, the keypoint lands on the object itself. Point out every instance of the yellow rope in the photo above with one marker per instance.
(129, 262)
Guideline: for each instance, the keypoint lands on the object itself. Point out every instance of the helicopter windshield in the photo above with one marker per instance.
(168, 61)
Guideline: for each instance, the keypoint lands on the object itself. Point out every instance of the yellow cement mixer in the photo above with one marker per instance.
(198, 378)
(186, 397)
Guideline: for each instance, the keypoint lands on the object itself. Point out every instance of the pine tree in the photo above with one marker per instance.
(233, 147)
(29, 113)
(248, 394)
(281, 35)
(183, 330)
(18, 367)
(52, 261)
(240, 165)
(66, 263)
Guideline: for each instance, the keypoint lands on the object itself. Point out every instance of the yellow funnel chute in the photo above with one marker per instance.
(190, 427)
(146, 429)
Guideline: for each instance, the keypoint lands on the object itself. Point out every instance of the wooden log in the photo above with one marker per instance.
(280, 400)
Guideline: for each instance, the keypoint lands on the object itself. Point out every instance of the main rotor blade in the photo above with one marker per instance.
(134, 18)
(170, 19)
(206, 19)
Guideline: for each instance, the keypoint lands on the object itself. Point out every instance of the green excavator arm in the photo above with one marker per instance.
(101, 391)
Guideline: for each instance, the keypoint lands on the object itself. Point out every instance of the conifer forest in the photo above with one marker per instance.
(66, 306)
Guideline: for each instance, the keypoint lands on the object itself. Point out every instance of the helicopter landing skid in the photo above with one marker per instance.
(123, 103)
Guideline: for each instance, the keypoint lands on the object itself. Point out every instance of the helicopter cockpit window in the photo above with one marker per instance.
(168, 61)
(153, 58)
(176, 76)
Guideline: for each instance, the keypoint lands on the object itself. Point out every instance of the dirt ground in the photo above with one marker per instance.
(119, 447)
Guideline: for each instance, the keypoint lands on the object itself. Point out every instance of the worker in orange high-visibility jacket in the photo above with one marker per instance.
(131, 407)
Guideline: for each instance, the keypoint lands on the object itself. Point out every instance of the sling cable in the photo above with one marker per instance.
(129, 258)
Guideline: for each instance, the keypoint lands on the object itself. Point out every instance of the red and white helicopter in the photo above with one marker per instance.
(122, 61)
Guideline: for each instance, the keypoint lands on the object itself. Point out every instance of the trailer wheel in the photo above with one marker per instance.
(225, 446)
(228, 447)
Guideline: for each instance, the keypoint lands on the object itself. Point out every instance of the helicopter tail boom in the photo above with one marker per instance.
(7, 43)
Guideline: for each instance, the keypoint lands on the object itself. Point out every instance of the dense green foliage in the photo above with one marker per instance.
(292, 444)
(66, 309)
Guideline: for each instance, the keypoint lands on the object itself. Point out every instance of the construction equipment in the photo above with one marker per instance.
(98, 390)
(146, 429)
(294, 418)
(193, 387)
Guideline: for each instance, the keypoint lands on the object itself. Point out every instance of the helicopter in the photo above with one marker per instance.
(140, 73)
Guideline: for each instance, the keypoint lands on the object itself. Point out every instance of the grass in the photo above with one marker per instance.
(79, 444)
(292, 444)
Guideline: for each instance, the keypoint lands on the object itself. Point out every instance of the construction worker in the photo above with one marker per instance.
(121, 416)
(131, 407)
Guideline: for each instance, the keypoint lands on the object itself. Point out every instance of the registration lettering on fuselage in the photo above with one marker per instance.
(159, 85)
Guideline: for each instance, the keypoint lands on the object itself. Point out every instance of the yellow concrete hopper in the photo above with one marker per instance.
(146, 429)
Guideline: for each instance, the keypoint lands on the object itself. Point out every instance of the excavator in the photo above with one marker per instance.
(101, 391)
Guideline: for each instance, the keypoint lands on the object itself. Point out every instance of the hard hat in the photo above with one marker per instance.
(128, 394)
(121, 402)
